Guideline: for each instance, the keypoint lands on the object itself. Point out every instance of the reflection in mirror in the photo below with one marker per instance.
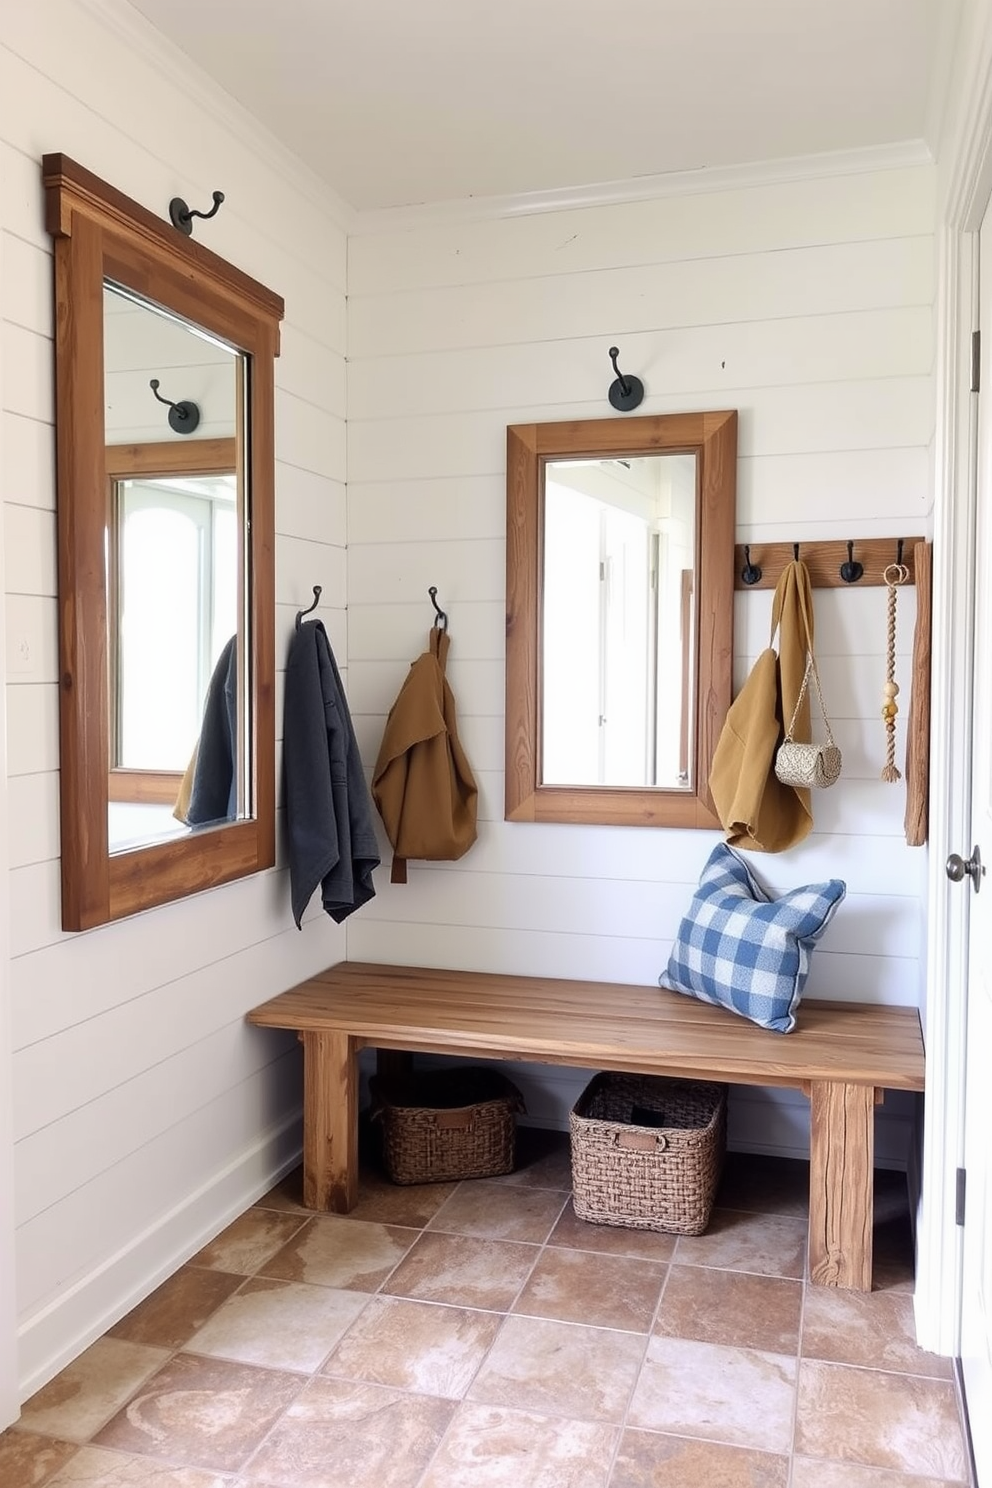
(176, 584)
(619, 617)
(174, 564)
(619, 549)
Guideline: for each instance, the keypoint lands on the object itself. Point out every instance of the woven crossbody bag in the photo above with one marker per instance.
(808, 765)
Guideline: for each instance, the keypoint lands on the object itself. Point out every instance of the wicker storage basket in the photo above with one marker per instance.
(442, 1125)
(647, 1152)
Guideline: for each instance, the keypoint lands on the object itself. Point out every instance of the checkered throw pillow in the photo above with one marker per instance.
(744, 950)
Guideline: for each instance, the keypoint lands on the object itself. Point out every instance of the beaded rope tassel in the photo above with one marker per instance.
(894, 575)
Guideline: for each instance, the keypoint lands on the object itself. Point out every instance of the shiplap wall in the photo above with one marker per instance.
(146, 1113)
(807, 306)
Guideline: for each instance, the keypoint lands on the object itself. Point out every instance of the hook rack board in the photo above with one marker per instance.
(824, 559)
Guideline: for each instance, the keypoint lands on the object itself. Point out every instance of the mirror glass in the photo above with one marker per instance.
(618, 541)
(619, 617)
(176, 553)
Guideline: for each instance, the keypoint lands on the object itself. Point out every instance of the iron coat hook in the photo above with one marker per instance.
(441, 619)
(317, 591)
(627, 392)
(182, 216)
(751, 572)
(851, 571)
(183, 416)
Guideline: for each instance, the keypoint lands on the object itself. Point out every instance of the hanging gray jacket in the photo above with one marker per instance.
(214, 787)
(329, 821)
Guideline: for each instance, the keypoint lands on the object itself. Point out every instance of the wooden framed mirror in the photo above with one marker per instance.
(165, 556)
(619, 617)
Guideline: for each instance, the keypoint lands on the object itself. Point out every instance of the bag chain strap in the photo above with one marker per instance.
(810, 667)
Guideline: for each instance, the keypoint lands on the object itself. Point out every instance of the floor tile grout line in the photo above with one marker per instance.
(506, 1315)
(21, 1426)
(184, 1350)
(796, 1383)
(318, 1371)
(623, 1425)
(243, 1467)
(129, 1457)
(464, 1398)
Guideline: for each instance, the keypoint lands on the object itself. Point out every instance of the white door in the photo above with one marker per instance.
(976, 1308)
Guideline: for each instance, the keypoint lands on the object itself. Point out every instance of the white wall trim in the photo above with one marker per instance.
(968, 173)
(907, 154)
(9, 1400)
(938, 1238)
(941, 79)
(55, 1335)
(191, 81)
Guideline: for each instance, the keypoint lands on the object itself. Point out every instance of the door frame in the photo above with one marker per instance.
(9, 1371)
(9, 1380)
(964, 188)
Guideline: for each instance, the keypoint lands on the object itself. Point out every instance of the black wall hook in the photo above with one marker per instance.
(181, 216)
(795, 552)
(441, 620)
(851, 571)
(317, 591)
(899, 551)
(627, 392)
(183, 417)
(750, 573)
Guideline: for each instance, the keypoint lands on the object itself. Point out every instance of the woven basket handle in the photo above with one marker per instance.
(640, 1141)
(452, 1120)
(810, 670)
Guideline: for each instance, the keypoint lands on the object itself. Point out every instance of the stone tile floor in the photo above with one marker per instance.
(476, 1335)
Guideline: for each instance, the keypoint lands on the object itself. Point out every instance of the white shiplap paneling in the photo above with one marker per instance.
(147, 1114)
(791, 284)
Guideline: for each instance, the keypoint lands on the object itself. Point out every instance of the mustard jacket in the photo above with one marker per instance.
(423, 785)
(757, 811)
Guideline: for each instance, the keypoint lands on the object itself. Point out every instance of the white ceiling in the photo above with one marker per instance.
(396, 102)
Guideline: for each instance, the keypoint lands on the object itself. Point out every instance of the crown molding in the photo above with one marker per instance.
(966, 159)
(951, 25)
(900, 156)
(141, 37)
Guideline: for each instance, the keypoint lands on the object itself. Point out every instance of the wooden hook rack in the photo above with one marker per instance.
(824, 561)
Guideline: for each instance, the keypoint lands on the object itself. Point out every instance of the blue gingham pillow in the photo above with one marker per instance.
(744, 950)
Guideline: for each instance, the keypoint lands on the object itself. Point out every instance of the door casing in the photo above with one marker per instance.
(966, 181)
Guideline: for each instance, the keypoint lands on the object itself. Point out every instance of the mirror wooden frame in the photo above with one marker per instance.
(100, 234)
(712, 437)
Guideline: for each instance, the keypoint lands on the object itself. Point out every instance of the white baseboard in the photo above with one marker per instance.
(60, 1331)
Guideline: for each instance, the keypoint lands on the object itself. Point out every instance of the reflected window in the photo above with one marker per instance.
(177, 605)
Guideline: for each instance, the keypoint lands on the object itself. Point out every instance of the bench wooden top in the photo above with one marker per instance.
(642, 1030)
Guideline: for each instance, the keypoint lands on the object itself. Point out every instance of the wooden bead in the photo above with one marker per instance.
(891, 689)
(889, 710)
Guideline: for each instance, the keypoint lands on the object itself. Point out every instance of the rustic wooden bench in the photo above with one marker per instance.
(843, 1055)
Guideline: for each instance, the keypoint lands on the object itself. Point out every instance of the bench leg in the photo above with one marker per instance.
(842, 1160)
(330, 1122)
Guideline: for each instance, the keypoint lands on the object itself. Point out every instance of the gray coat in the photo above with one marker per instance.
(329, 821)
